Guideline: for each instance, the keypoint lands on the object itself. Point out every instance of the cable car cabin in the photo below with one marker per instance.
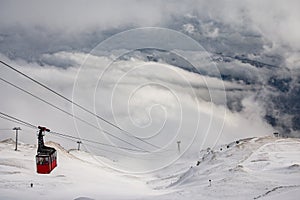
(46, 162)
(46, 158)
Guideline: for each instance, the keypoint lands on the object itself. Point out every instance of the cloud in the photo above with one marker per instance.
(50, 41)
(131, 88)
(49, 27)
(69, 16)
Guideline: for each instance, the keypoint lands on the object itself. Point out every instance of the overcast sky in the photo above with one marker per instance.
(49, 26)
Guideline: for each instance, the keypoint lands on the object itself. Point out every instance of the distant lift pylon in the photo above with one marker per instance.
(46, 158)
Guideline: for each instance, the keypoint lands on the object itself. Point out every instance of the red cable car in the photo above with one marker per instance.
(46, 158)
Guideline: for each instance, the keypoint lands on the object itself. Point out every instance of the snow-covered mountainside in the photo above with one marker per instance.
(76, 177)
(157, 94)
(254, 168)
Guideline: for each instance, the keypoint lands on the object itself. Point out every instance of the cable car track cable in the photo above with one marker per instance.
(76, 104)
(21, 122)
(91, 141)
(70, 114)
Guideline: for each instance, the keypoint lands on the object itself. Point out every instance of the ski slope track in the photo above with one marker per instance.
(254, 168)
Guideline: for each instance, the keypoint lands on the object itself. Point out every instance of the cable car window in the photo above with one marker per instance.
(40, 160)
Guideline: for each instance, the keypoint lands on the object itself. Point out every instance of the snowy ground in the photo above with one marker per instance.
(257, 168)
(73, 178)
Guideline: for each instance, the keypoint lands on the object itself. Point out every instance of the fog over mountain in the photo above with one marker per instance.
(254, 44)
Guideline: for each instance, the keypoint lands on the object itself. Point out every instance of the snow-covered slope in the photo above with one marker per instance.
(254, 168)
(72, 179)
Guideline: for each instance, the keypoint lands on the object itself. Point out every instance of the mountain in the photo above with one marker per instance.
(252, 168)
(243, 54)
(275, 87)
(77, 176)
(265, 69)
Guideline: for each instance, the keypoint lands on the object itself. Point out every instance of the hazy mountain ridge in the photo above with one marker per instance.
(243, 55)
(272, 85)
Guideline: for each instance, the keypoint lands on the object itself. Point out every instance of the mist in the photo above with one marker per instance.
(146, 92)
